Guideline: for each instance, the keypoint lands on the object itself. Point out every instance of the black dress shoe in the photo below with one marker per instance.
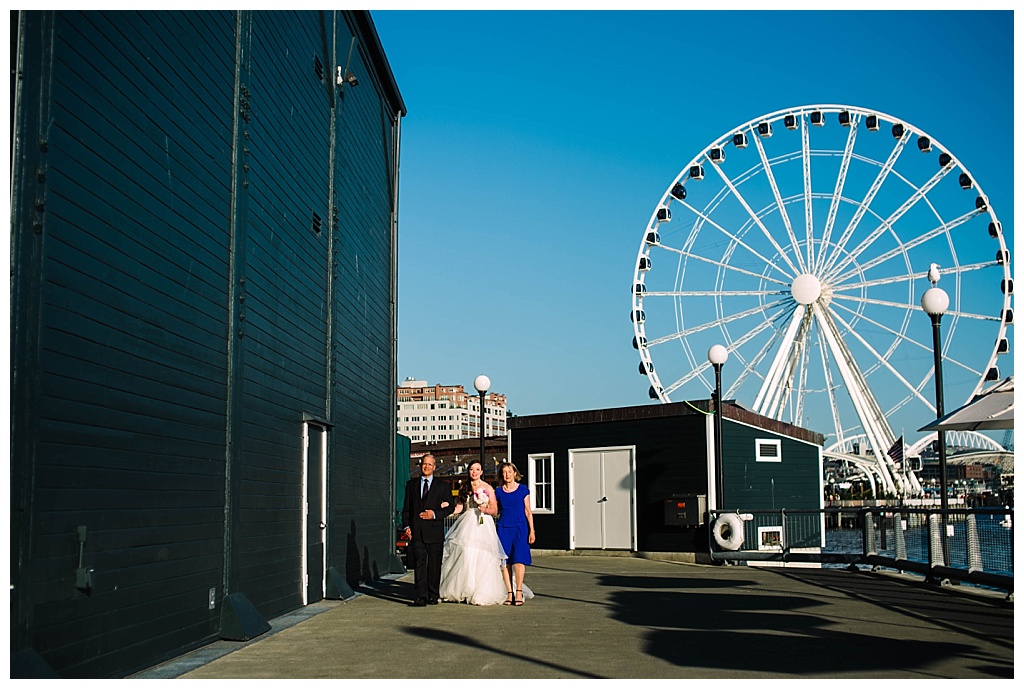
(432, 601)
(419, 603)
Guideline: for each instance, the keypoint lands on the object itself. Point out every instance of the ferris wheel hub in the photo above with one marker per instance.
(806, 289)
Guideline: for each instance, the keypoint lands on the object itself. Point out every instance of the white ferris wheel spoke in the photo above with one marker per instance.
(836, 251)
(714, 324)
(844, 169)
(906, 245)
(703, 366)
(888, 222)
(720, 264)
(805, 147)
(904, 338)
(750, 367)
(908, 340)
(718, 293)
(753, 216)
(883, 360)
(778, 196)
(963, 268)
(913, 307)
(733, 237)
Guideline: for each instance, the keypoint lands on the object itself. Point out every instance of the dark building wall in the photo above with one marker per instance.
(364, 308)
(178, 311)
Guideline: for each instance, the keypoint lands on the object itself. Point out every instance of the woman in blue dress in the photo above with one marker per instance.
(515, 531)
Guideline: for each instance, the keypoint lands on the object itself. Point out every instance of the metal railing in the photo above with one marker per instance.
(968, 545)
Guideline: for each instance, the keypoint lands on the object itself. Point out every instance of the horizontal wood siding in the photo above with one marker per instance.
(285, 305)
(133, 306)
(793, 483)
(172, 317)
(361, 540)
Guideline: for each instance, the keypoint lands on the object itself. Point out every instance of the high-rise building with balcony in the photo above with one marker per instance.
(429, 413)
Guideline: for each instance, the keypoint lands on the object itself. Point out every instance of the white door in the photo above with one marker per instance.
(602, 513)
(314, 508)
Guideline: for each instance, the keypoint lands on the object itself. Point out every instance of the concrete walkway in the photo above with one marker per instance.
(625, 617)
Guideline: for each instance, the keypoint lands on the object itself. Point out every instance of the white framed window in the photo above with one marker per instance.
(769, 450)
(542, 483)
(770, 538)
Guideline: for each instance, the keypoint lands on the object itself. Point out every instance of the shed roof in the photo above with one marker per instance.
(654, 411)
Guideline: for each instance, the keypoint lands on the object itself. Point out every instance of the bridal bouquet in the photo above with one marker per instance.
(481, 499)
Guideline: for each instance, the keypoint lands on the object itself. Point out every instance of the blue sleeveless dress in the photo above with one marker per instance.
(513, 529)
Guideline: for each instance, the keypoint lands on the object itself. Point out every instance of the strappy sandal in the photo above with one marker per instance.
(508, 601)
(519, 598)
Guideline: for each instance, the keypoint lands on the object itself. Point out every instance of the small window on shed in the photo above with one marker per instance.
(769, 450)
(542, 483)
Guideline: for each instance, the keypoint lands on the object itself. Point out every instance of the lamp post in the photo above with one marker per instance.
(717, 355)
(935, 301)
(482, 383)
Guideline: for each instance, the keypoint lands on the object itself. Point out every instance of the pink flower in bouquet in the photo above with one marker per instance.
(481, 499)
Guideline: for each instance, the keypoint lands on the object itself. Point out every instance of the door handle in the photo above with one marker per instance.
(604, 499)
(322, 526)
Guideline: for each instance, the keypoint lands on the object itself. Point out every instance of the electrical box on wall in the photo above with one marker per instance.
(685, 510)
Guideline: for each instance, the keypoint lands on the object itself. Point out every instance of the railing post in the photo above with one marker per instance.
(901, 542)
(974, 563)
(936, 551)
(785, 536)
(869, 533)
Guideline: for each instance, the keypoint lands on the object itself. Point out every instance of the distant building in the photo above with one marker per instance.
(431, 413)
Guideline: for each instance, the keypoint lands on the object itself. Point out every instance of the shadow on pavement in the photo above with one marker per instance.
(470, 642)
(989, 619)
(738, 625)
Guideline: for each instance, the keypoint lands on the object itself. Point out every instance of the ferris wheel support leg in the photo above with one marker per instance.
(767, 400)
(876, 428)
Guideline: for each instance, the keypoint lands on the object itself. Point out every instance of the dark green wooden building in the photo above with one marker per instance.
(613, 479)
(203, 242)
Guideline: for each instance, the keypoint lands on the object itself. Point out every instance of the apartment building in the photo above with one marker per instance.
(431, 413)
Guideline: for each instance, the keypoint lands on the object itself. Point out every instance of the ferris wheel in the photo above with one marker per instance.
(802, 241)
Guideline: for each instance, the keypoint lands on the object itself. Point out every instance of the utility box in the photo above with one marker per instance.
(685, 510)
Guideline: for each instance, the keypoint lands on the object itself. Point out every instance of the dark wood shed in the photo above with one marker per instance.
(615, 479)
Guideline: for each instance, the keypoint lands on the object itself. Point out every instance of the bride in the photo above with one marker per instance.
(473, 556)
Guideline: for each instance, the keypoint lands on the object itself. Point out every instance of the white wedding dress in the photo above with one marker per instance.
(473, 558)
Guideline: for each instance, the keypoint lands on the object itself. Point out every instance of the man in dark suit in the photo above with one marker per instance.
(427, 503)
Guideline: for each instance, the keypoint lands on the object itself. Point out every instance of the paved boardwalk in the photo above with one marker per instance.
(623, 617)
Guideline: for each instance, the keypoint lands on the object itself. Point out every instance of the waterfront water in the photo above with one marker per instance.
(995, 543)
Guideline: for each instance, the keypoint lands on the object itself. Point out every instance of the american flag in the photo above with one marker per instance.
(896, 452)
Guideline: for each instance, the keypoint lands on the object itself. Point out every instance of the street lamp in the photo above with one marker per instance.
(717, 355)
(482, 383)
(935, 301)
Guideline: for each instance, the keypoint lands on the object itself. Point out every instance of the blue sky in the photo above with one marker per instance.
(538, 143)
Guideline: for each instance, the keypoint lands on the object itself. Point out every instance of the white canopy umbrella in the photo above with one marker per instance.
(992, 409)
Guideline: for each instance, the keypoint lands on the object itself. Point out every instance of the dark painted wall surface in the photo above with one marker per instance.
(203, 257)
